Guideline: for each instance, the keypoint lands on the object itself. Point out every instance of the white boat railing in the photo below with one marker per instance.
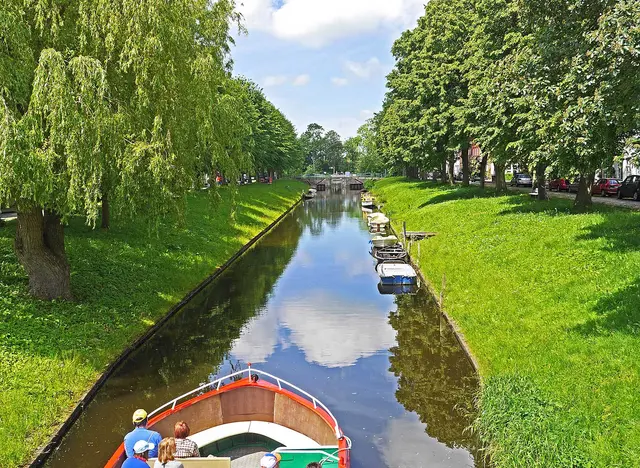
(249, 371)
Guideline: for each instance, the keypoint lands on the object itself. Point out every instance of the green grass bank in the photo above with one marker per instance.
(123, 281)
(548, 300)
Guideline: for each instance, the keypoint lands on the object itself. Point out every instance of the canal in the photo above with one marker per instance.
(303, 304)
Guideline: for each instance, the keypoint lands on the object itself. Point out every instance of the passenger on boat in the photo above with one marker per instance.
(314, 465)
(167, 454)
(140, 456)
(270, 460)
(185, 448)
(140, 432)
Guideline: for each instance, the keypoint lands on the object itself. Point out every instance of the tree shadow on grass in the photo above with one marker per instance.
(618, 312)
(457, 192)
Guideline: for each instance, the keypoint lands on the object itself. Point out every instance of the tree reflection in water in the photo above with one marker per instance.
(435, 378)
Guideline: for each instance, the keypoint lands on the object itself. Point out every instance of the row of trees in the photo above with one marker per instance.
(550, 85)
(121, 106)
(326, 152)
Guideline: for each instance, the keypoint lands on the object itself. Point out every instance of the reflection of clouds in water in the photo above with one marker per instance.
(304, 259)
(355, 265)
(330, 331)
(258, 338)
(404, 445)
(335, 333)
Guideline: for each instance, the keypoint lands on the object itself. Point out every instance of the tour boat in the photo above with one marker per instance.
(238, 418)
(311, 193)
(379, 240)
(396, 272)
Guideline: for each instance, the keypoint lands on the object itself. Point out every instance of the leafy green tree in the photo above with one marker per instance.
(273, 142)
(363, 151)
(96, 106)
(323, 150)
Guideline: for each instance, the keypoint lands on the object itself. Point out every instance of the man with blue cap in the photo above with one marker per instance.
(140, 432)
(140, 456)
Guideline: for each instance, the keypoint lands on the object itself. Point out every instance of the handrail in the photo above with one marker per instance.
(217, 383)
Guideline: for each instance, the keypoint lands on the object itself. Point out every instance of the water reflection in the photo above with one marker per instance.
(304, 304)
(435, 379)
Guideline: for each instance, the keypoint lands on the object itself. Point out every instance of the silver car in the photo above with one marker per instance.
(522, 180)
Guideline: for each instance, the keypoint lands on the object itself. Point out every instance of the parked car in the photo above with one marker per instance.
(559, 185)
(606, 187)
(630, 188)
(574, 185)
(522, 180)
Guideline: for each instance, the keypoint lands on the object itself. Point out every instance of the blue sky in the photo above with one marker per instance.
(322, 61)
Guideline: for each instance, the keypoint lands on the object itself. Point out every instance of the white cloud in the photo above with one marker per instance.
(301, 80)
(316, 23)
(366, 114)
(274, 80)
(339, 81)
(364, 70)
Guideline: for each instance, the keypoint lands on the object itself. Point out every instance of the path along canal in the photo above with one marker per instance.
(303, 304)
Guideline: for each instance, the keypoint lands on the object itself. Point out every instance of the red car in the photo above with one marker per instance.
(559, 185)
(606, 187)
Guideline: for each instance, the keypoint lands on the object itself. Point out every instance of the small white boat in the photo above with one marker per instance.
(396, 272)
(379, 240)
(378, 218)
(311, 193)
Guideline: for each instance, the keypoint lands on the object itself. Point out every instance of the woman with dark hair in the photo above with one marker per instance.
(185, 448)
(167, 454)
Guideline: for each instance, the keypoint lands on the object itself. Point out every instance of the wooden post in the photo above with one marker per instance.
(404, 231)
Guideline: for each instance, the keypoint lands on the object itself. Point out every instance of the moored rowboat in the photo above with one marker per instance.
(254, 413)
(383, 241)
(396, 272)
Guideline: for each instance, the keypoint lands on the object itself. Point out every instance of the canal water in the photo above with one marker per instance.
(304, 305)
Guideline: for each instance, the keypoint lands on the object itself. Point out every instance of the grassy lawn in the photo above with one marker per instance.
(123, 280)
(549, 302)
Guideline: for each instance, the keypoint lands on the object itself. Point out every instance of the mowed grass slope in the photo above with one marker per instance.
(123, 280)
(549, 302)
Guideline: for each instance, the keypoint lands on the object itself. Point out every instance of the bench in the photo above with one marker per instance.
(200, 462)
(283, 435)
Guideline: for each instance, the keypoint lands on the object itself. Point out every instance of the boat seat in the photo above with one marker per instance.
(200, 462)
(283, 435)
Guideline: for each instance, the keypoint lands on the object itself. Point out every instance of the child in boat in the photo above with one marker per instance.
(140, 455)
(167, 454)
(270, 460)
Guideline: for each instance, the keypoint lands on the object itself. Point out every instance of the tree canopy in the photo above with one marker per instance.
(548, 86)
(121, 104)
(323, 150)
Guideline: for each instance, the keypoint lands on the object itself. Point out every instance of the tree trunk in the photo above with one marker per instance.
(464, 153)
(105, 210)
(412, 172)
(451, 175)
(483, 170)
(583, 198)
(39, 246)
(541, 181)
(444, 172)
(501, 183)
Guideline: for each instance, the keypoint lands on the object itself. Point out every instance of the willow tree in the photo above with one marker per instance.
(110, 102)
